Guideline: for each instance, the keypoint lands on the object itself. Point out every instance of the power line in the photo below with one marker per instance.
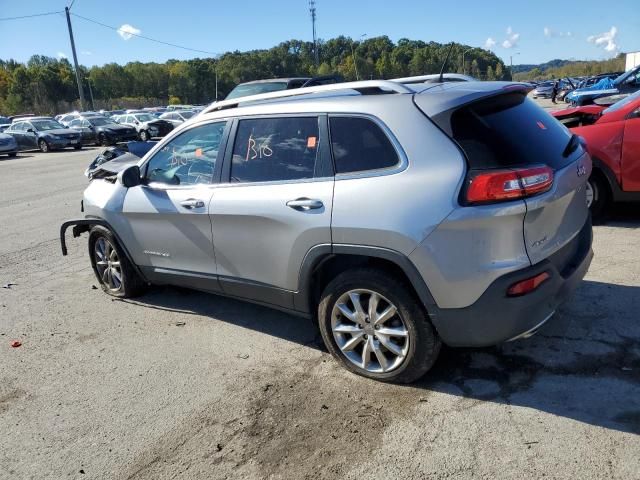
(142, 36)
(29, 16)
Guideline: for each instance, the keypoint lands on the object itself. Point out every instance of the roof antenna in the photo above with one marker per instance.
(446, 60)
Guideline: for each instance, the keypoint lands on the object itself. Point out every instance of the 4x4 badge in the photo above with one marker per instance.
(582, 170)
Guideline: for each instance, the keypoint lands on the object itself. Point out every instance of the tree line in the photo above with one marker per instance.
(579, 68)
(45, 85)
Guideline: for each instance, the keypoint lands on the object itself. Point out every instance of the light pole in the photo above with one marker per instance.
(464, 66)
(353, 55)
(511, 64)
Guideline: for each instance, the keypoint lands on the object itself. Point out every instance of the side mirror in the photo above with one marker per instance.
(30, 130)
(130, 176)
(91, 127)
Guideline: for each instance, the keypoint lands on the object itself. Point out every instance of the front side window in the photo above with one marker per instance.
(275, 149)
(359, 144)
(188, 159)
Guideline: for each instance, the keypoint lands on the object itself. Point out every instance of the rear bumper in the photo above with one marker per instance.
(495, 318)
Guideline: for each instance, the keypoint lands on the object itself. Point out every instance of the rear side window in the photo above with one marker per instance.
(510, 130)
(275, 149)
(359, 144)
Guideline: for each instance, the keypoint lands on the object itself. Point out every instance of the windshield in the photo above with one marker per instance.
(246, 89)
(622, 103)
(43, 125)
(144, 117)
(99, 122)
(186, 115)
(625, 76)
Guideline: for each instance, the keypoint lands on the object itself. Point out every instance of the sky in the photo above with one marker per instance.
(530, 32)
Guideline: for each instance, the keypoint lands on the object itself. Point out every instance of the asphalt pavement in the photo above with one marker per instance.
(181, 384)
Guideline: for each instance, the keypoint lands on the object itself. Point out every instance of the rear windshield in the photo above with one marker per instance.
(508, 131)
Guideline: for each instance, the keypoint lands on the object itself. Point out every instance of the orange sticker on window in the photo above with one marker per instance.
(198, 152)
(311, 142)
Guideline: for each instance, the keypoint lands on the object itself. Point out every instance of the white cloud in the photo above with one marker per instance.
(86, 52)
(549, 33)
(512, 39)
(606, 40)
(61, 55)
(490, 43)
(127, 31)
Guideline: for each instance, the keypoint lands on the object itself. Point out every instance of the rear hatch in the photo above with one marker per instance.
(506, 131)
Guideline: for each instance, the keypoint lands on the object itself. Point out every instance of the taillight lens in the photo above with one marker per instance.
(499, 185)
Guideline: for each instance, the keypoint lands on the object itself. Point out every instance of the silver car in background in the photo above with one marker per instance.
(397, 216)
(177, 117)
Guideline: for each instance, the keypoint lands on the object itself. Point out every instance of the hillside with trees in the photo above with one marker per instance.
(47, 85)
(563, 68)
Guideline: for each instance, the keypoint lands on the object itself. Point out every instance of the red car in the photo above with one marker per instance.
(613, 139)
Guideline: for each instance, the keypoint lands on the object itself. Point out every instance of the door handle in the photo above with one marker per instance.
(192, 203)
(304, 204)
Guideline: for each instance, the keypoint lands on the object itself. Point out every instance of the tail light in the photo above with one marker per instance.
(499, 185)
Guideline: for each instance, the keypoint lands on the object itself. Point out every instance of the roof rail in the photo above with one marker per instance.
(364, 87)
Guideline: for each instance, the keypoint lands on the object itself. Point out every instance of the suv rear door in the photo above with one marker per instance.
(273, 205)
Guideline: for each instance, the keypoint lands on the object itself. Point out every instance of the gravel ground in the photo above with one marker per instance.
(179, 384)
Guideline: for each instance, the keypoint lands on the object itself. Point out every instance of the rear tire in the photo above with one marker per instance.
(598, 191)
(114, 272)
(12, 154)
(399, 347)
(77, 147)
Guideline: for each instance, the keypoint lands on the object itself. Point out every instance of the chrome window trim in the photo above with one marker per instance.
(402, 164)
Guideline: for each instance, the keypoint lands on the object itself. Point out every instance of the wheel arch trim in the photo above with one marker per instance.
(318, 254)
(83, 225)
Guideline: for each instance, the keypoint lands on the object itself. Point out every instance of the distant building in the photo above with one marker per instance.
(633, 60)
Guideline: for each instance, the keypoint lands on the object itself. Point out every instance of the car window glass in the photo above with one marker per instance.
(271, 149)
(189, 158)
(74, 123)
(359, 144)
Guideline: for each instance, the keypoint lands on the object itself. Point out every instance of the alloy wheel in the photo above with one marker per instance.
(44, 147)
(108, 264)
(369, 331)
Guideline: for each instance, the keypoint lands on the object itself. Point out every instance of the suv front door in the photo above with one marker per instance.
(168, 229)
(273, 205)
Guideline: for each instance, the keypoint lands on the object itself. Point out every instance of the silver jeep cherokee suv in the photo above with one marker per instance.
(398, 216)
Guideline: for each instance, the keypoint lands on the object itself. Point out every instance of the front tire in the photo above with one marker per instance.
(114, 272)
(374, 326)
(44, 146)
(102, 140)
(144, 136)
(77, 147)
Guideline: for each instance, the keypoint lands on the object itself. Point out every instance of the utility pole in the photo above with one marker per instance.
(464, 66)
(511, 64)
(93, 106)
(75, 59)
(312, 9)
